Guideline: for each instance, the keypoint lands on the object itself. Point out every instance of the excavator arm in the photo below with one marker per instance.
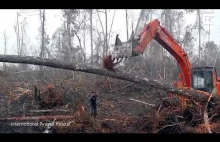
(202, 79)
(151, 31)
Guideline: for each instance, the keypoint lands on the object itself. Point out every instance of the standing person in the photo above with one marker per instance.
(93, 103)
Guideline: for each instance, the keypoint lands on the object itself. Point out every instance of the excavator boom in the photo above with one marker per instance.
(153, 30)
(200, 78)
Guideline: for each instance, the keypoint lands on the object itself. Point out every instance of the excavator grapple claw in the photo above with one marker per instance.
(123, 50)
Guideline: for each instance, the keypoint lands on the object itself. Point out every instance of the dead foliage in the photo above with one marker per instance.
(117, 113)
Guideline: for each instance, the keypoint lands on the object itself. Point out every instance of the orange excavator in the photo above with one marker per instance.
(203, 79)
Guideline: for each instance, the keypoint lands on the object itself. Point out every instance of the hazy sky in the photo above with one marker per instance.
(33, 23)
(53, 21)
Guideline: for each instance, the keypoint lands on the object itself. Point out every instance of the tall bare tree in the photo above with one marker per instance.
(23, 42)
(5, 51)
(91, 31)
(199, 31)
(103, 32)
(106, 34)
(110, 31)
(106, 31)
(17, 32)
(42, 51)
(42, 20)
(23, 34)
(20, 31)
(126, 22)
(84, 32)
(68, 18)
(199, 34)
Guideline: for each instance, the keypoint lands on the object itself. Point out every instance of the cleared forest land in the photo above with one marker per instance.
(123, 107)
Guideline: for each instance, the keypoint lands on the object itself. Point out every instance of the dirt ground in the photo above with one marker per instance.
(117, 110)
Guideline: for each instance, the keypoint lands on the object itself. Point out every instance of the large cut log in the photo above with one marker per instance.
(49, 110)
(190, 94)
(37, 118)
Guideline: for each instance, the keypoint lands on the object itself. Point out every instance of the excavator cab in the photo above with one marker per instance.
(204, 78)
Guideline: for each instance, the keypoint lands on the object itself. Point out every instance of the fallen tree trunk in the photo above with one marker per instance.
(49, 110)
(190, 94)
(142, 102)
(37, 118)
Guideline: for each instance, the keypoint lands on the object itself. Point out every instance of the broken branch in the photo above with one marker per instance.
(206, 118)
(121, 88)
(142, 102)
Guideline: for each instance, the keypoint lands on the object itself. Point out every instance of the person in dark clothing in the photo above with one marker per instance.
(93, 103)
